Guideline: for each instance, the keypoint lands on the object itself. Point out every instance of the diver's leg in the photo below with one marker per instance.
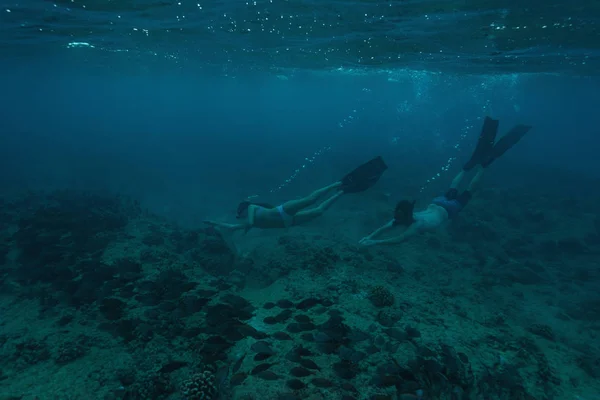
(308, 215)
(453, 190)
(476, 181)
(226, 226)
(457, 180)
(485, 143)
(452, 193)
(293, 206)
(506, 142)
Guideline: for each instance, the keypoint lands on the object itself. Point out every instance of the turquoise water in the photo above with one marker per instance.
(133, 133)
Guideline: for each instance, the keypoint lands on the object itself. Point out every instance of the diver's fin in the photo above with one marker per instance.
(365, 176)
(485, 143)
(506, 142)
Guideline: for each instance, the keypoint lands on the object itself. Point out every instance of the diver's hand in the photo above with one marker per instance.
(220, 225)
(367, 242)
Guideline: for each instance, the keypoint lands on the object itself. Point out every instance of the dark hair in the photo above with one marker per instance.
(242, 209)
(403, 214)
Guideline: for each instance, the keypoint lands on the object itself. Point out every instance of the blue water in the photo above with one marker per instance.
(189, 93)
(189, 107)
(163, 132)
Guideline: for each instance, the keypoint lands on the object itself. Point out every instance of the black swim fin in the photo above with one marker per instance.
(364, 177)
(485, 143)
(506, 142)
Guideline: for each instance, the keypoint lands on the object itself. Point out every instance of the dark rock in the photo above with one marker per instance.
(113, 308)
(542, 330)
(412, 333)
(388, 317)
(172, 366)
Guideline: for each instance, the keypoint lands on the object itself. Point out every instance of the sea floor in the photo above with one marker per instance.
(100, 299)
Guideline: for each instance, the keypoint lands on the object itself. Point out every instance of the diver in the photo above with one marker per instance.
(297, 212)
(450, 204)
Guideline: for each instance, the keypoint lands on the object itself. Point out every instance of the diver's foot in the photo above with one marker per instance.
(335, 185)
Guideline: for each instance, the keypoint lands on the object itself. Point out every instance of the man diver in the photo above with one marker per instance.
(449, 205)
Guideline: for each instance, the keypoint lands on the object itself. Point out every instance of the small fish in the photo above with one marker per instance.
(216, 340)
(269, 305)
(238, 364)
(262, 347)
(238, 378)
(268, 375)
(310, 364)
(247, 330)
(281, 336)
(303, 319)
(261, 368)
(322, 383)
(322, 337)
(285, 304)
(300, 372)
(307, 303)
(295, 384)
(262, 356)
(303, 351)
(221, 376)
(293, 356)
(309, 326)
(284, 315)
(173, 366)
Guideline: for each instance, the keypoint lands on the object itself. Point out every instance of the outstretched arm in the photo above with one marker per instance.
(229, 227)
(377, 232)
(408, 233)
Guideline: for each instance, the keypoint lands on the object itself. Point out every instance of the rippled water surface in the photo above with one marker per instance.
(480, 36)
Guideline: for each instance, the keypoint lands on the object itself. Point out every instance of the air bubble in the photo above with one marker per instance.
(445, 168)
(352, 117)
